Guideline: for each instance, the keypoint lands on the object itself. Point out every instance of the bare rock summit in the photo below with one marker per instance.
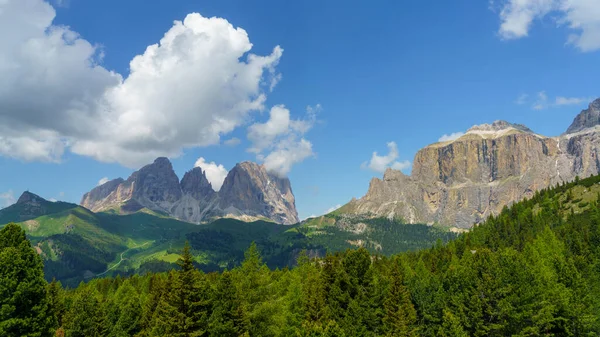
(463, 181)
(248, 193)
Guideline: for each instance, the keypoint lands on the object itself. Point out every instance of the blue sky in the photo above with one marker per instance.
(371, 74)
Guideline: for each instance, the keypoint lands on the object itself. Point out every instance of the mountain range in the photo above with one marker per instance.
(461, 182)
(248, 193)
(141, 223)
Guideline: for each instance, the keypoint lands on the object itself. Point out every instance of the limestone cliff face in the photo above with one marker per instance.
(462, 182)
(248, 193)
(249, 189)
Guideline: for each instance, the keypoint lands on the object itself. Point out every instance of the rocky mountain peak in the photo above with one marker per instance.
(249, 192)
(498, 126)
(587, 118)
(196, 184)
(391, 174)
(249, 187)
(462, 182)
(28, 197)
(156, 182)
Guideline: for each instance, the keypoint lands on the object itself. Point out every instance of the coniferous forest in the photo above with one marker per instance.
(533, 270)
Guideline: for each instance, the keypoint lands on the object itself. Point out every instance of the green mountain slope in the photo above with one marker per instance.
(78, 244)
(31, 206)
(532, 270)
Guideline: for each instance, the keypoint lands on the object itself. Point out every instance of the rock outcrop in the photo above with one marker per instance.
(248, 193)
(587, 118)
(250, 190)
(463, 181)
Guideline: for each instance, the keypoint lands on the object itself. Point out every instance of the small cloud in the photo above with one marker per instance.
(62, 3)
(61, 194)
(452, 136)
(7, 198)
(570, 100)
(542, 101)
(381, 163)
(232, 142)
(310, 216)
(331, 209)
(215, 174)
(275, 79)
(400, 165)
(279, 142)
(103, 181)
(579, 16)
(522, 99)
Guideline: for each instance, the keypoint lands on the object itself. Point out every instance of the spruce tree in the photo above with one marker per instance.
(400, 314)
(23, 300)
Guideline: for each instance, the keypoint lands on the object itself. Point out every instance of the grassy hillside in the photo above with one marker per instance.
(78, 244)
(22, 211)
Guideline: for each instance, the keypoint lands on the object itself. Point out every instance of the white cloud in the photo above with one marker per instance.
(582, 17)
(522, 99)
(542, 101)
(215, 174)
(381, 163)
(287, 153)
(7, 198)
(282, 138)
(571, 100)
(103, 181)
(452, 136)
(232, 142)
(331, 209)
(194, 86)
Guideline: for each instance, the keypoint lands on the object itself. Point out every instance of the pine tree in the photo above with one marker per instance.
(183, 309)
(24, 304)
(226, 316)
(85, 317)
(400, 314)
(56, 301)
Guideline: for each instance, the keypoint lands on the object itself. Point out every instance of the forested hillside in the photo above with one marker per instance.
(77, 244)
(533, 270)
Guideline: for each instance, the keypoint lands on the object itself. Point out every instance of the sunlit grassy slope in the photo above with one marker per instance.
(78, 244)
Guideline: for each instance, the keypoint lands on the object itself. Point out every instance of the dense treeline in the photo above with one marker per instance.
(533, 270)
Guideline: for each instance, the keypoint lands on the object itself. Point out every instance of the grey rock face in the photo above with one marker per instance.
(196, 184)
(28, 197)
(249, 189)
(248, 193)
(462, 182)
(587, 118)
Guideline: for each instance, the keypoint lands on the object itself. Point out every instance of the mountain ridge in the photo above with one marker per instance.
(249, 192)
(461, 182)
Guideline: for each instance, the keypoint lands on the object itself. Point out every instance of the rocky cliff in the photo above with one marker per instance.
(463, 181)
(249, 193)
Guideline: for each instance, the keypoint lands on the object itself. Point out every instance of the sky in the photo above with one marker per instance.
(327, 93)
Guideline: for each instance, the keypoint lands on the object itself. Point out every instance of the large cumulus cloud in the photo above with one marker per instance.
(198, 83)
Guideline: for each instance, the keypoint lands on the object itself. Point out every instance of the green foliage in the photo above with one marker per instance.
(532, 270)
(24, 307)
(77, 244)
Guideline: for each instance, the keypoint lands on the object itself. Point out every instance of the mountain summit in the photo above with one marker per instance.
(587, 118)
(463, 181)
(249, 193)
